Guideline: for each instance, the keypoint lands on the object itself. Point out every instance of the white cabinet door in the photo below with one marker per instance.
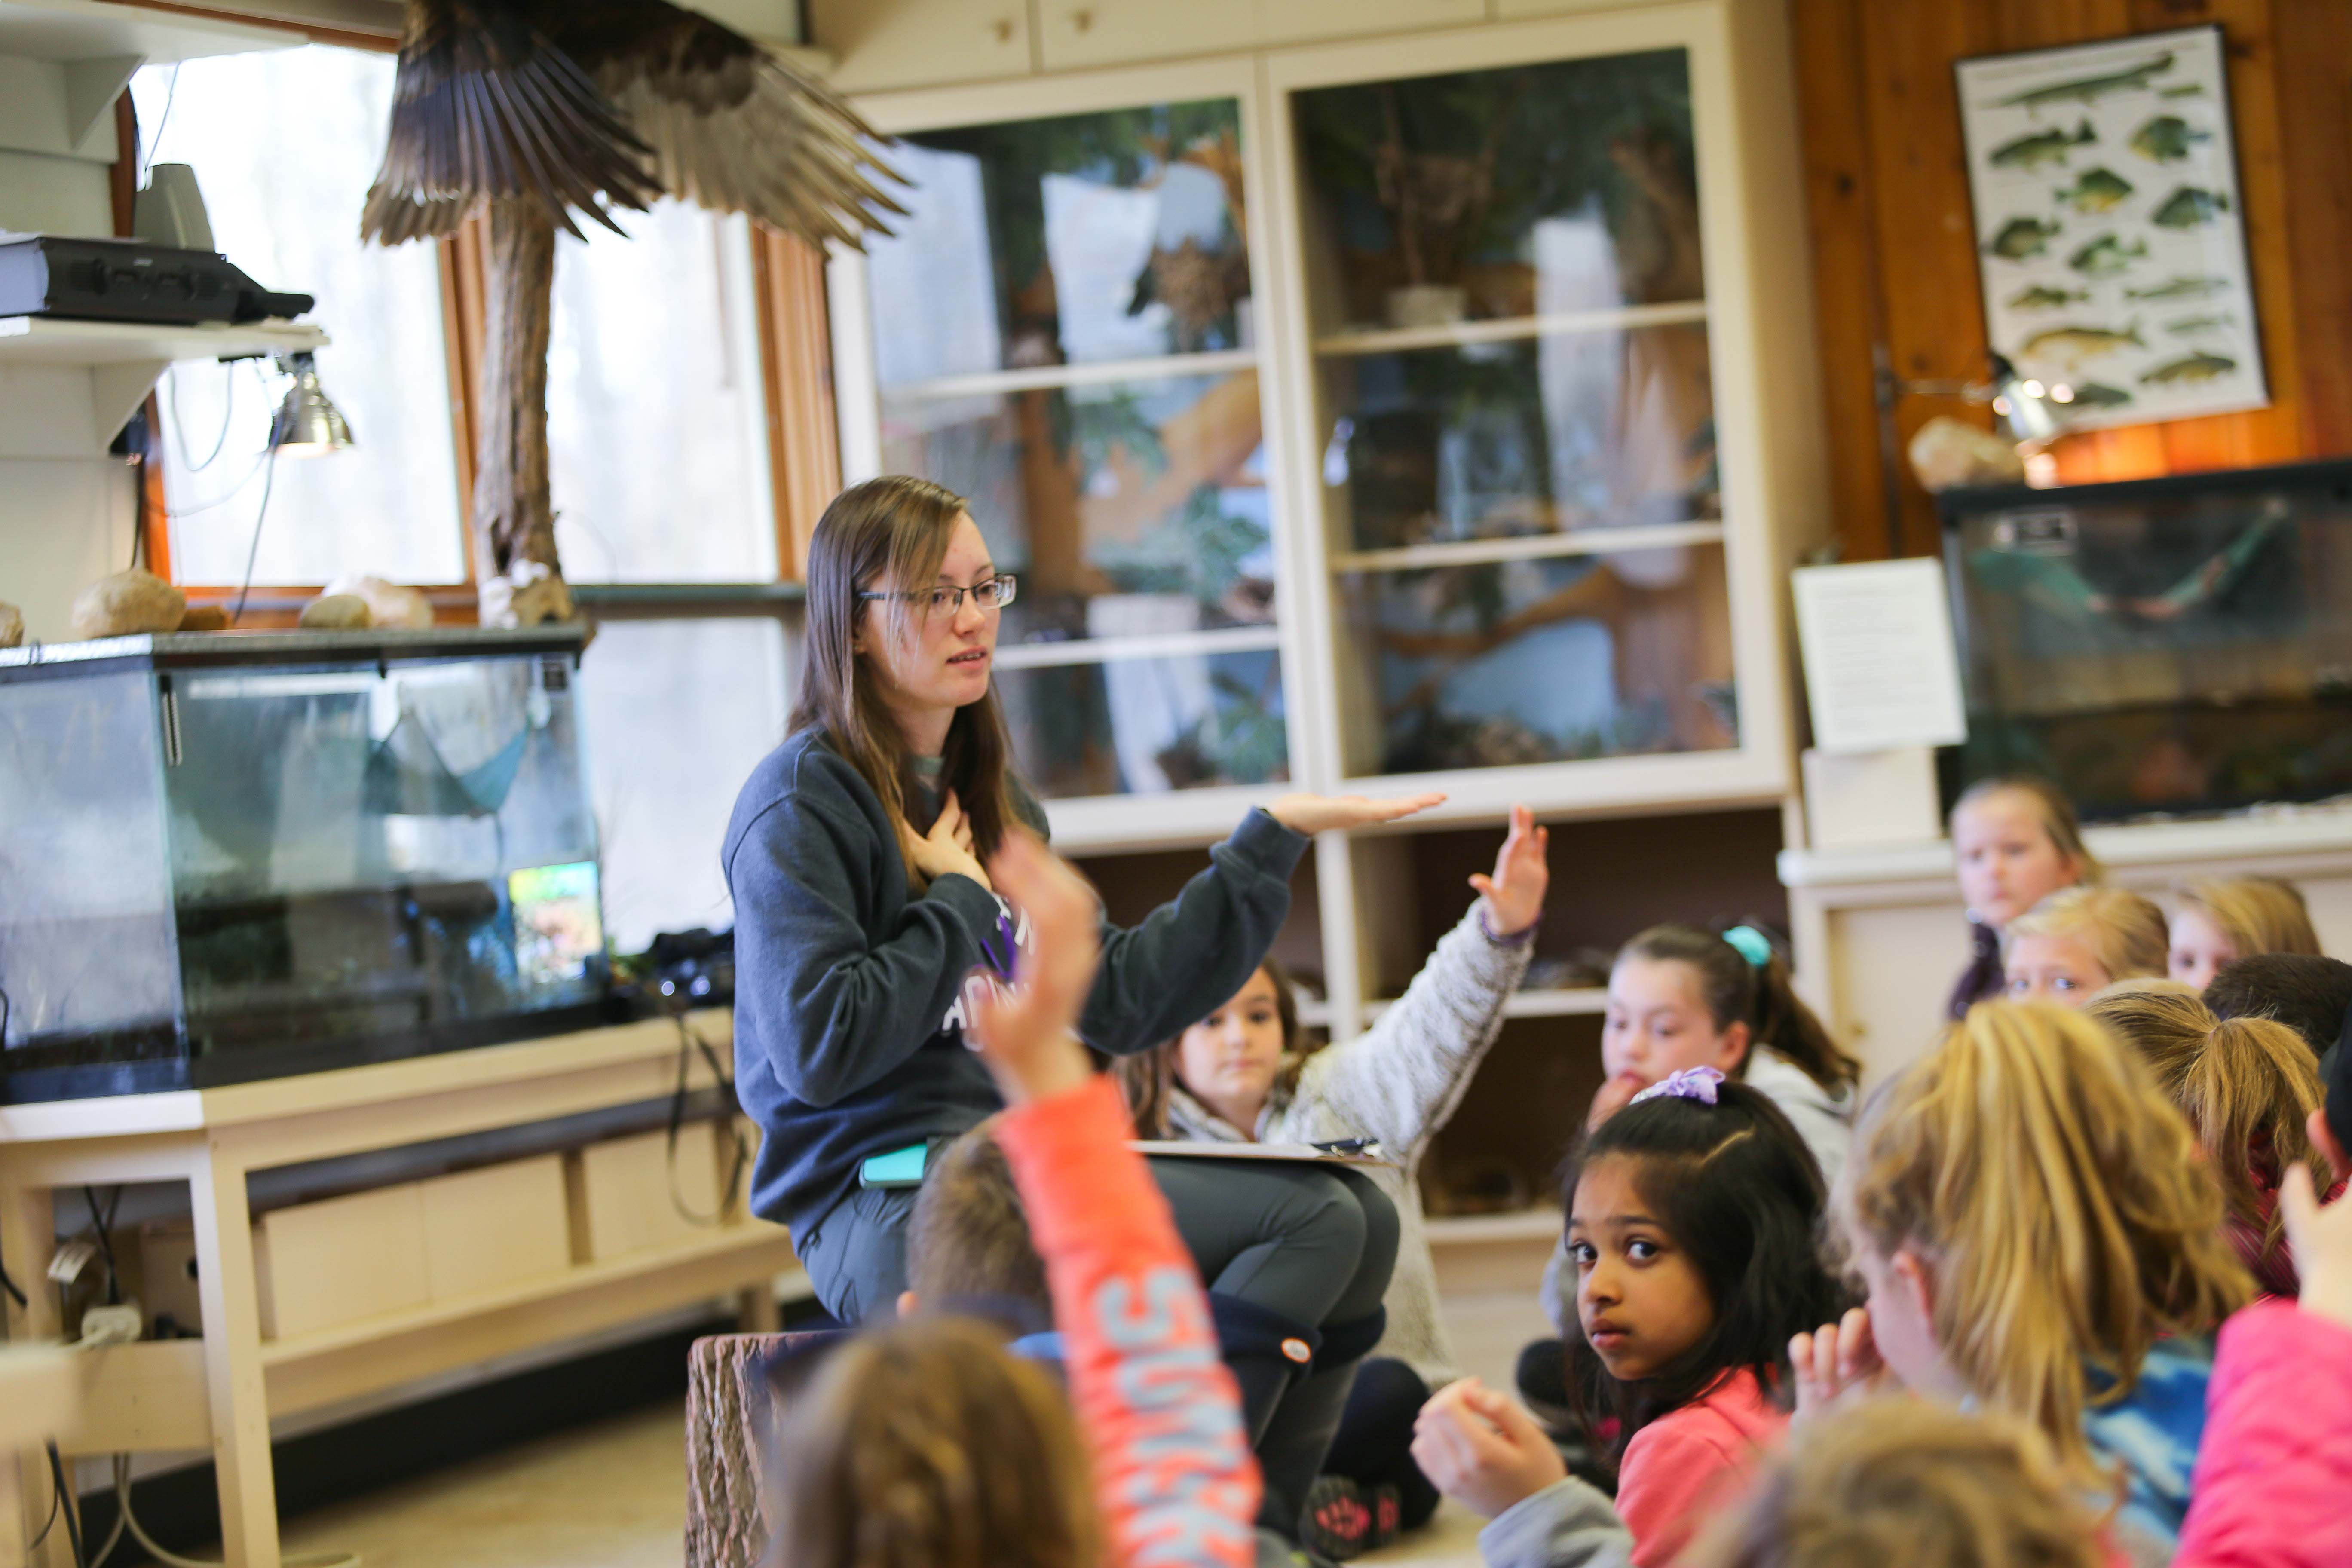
(1072, 34)
(1077, 33)
(912, 43)
(1299, 21)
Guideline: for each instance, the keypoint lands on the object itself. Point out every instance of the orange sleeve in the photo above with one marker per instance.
(1174, 1471)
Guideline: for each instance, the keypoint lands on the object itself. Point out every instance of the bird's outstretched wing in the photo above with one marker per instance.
(732, 127)
(486, 106)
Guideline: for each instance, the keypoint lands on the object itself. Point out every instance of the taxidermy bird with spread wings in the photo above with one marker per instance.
(539, 111)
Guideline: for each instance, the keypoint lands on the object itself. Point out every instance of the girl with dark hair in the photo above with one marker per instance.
(1692, 1217)
(857, 858)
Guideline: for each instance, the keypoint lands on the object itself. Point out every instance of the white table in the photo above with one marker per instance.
(221, 1390)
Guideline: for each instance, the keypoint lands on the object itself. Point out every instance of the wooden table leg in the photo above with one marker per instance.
(756, 1311)
(27, 1236)
(233, 1377)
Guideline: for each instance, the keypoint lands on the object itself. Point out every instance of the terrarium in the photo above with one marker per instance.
(2173, 644)
(224, 858)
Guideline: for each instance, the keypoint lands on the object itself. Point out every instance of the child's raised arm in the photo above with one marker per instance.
(1173, 1466)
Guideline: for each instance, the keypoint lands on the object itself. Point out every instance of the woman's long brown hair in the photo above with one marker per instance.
(893, 532)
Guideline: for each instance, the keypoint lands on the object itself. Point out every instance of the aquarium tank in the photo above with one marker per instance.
(233, 856)
(2179, 645)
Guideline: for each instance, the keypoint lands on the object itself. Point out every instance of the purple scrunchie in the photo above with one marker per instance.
(1691, 1083)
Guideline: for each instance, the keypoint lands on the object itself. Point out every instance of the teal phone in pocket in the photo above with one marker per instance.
(899, 1168)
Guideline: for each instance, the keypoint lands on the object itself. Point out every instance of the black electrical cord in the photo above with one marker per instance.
(104, 1226)
(73, 1523)
(690, 1042)
(15, 1294)
(268, 482)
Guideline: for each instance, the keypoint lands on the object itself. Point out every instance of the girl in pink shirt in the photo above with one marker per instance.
(1692, 1221)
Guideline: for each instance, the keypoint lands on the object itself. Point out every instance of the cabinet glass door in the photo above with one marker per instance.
(1062, 331)
(1512, 383)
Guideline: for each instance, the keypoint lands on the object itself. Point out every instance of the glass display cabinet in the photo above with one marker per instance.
(1064, 328)
(1432, 411)
(232, 857)
(1544, 523)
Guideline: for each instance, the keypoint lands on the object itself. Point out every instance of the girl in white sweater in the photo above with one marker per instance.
(1240, 1076)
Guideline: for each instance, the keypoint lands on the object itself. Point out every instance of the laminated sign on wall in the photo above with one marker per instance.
(1881, 668)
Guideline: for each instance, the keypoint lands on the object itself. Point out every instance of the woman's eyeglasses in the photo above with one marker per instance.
(935, 603)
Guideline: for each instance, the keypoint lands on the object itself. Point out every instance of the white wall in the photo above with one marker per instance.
(64, 522)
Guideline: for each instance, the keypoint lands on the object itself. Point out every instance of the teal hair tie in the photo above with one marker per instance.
(1750, 944)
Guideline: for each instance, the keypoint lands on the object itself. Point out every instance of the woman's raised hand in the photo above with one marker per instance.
(2321, 1240)
(947, 847)
(1314, 814)
(1515, 893)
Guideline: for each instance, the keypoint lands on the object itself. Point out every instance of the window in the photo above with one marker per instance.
(285, 208)
(676, 714)
(657, 426)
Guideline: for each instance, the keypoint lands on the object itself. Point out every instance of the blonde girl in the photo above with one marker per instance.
(2037, 1235)
(2015, 841)
(2080, 941)
(2248, 1087)
(2220, 919)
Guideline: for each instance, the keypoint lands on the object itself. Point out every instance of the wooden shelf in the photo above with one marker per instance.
(1483, 1229)
(1506, 329)
(1558, 1004)
(70, 31)
(379, 1352)
(77, 381)
(1090, 372)
(48, 340)
(1531, 547)
(1109, 650)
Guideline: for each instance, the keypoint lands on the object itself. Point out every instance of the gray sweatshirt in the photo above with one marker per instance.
(1398, 1081)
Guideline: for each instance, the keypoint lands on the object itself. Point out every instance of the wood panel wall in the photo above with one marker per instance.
(1895, 253)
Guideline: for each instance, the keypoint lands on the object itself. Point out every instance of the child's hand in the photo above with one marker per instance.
(1024, 1035)
(2321, 1240)
(1481, 1449)
(1611, 1098)
(1515, 893)
(1836, 1365)
(1314, 814)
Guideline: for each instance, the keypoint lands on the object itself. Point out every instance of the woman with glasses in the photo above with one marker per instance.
(858, 857)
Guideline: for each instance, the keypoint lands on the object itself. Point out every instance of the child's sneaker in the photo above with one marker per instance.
(1388, 1517)
(1338, 1521)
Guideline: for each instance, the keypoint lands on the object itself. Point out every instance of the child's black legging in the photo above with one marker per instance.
(1374, 1444)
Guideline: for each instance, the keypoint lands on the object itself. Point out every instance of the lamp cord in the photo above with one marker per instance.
(253, 553)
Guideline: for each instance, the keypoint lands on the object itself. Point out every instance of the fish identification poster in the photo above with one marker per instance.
(2110, 232)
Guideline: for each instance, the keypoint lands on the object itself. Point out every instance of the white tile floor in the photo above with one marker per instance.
(613, 1496)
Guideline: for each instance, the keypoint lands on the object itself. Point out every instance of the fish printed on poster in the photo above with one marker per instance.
(2041, 296)
(2069, 346)
(2088, 90)
(2166, 138)
(2096, 394)
(2021, 237)
(2190, 206)
(2098, 190)
(2190, 326)
(2197, 367)
(2181, 288)
(2107, 257)
(2030, 152)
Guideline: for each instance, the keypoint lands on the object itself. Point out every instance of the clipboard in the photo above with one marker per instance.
(1365, 1152)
